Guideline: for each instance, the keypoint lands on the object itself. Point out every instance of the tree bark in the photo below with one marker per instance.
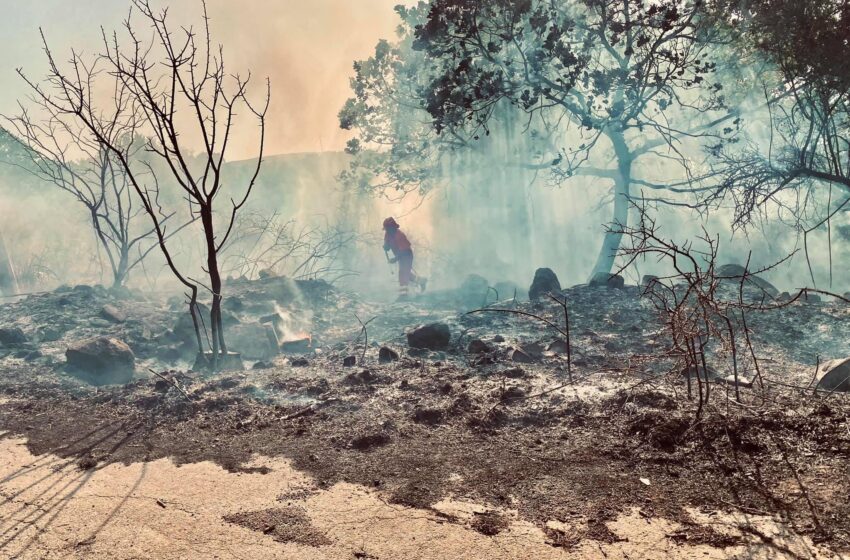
(622, 193)
(8, 278)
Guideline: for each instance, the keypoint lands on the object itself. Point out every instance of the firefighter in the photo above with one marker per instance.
(397, 242)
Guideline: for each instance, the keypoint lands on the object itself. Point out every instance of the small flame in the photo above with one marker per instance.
(291, 328)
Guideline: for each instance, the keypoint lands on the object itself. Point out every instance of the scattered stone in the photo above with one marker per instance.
(607, 280)
(834, 375)
(255, 341)
(558, 346)
(545, 282)
(435, 336)
(734, 272)
(12, 337)
(741, 382)
(518, 356)
(349, 361)
(648, 279)
(101, 361)
(299, 346)
(514, 373)
(113, 314)
(362, 377)
(50, 334)
(387, 354)
(512, 395)
(478, 346)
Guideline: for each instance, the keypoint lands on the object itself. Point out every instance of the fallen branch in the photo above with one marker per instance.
(173, 382)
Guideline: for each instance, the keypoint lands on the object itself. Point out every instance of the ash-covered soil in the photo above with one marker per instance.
(501, 426)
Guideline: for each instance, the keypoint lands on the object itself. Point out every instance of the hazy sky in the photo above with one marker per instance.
(306, 47)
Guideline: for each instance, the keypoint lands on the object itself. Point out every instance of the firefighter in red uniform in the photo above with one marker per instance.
(397, 242)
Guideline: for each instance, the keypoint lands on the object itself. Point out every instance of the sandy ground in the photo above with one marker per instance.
(50, 508)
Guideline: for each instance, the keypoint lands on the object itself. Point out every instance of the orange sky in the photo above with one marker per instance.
(306, 47)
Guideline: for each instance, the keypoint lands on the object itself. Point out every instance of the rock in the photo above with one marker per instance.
(101, 361)
(349, 361)
(608, 280)
(435, 336)
(478, 346)
(254, 341)
(733, 272)
(12, 337)
(514, 373)
(184, 329)
(812, 298)
(299, 346)
(262, 365)
(520, 357)
(363, 377)
(834, 375)
(299, 362)
(512, 395)
(648, 279)
(558, 346)
(498, 338)
(387, 354)
(113, 314)
(545, 282)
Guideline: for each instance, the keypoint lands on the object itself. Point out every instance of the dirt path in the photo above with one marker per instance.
(50, 508)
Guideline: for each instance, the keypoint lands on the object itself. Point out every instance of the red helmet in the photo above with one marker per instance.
(390, 223)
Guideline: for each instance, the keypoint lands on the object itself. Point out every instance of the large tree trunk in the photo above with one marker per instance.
(8, 278)
(622, 183)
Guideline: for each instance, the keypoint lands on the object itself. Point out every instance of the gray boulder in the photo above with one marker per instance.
(12, 337)
(101, 361)
(113, 314)
(834, 375)
(255, 341)
(734, 272)
(435, 336)
(545, 282)
(607, 280)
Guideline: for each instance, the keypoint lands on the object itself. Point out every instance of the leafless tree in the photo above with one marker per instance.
(175, 84)
(62, 152)
(269, 243)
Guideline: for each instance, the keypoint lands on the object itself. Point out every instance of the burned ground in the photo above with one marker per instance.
(482, 427)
